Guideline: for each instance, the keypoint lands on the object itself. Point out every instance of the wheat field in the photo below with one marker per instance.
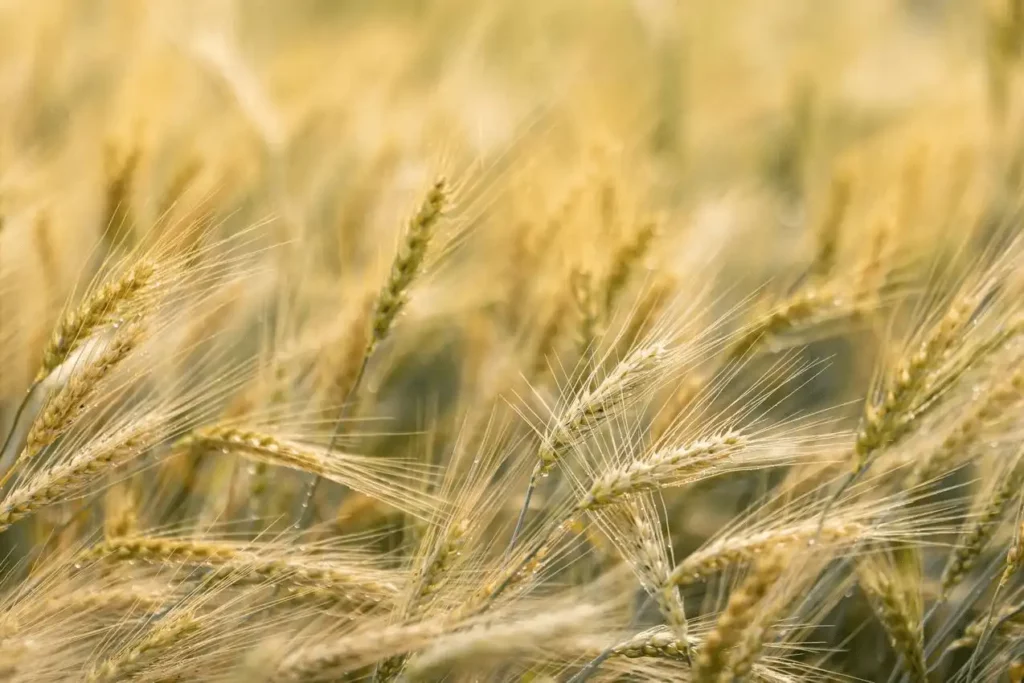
(523, 340)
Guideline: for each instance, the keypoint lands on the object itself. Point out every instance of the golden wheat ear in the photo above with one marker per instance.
(391, 301)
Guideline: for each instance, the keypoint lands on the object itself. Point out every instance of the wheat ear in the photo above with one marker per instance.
(590, 409)
(660, 643)
(663, 468)
(160, 639)
(69, 403)
(893, 589)
(625, 261)
(974, 538)
(88, 464)
(390, 303)
(240, 562)
(97, 310)
(732, 551)
(740, 611)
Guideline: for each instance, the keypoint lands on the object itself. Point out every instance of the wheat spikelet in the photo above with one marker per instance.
(838, 238)
(635, 528)
(808, 307)
(428, 582)
(319, 663)
(121, 510)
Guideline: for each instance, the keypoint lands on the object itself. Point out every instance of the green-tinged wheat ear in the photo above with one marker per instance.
(977, 534)
(100, 308)
(407, 263)
(161, 640)
(740, 611)
(661, 644)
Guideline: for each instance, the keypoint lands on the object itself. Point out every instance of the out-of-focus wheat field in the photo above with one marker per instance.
(518, 340)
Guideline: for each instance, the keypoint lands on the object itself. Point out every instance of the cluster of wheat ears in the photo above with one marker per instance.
(511, 341)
